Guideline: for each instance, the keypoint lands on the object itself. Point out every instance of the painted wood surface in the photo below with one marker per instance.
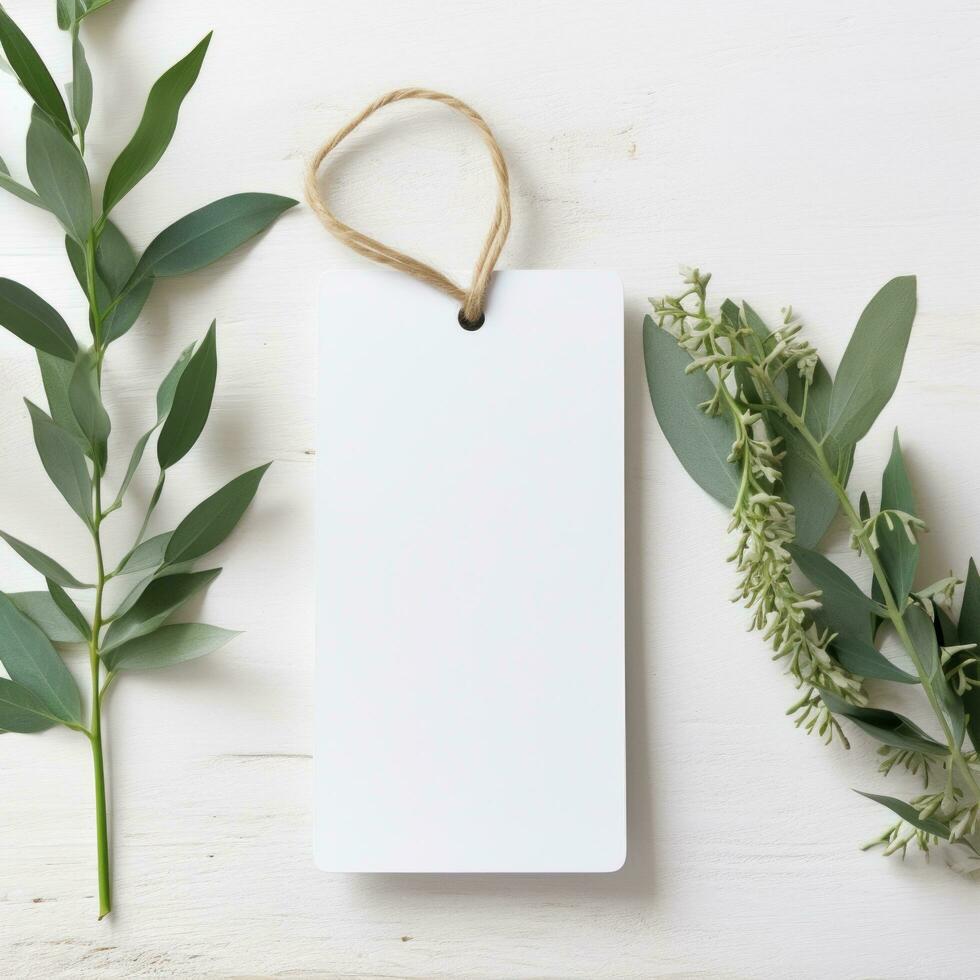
(803, 152)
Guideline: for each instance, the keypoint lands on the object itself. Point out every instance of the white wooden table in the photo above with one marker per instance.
(803, 152)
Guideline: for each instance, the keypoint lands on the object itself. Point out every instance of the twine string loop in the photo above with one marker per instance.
(473, 299)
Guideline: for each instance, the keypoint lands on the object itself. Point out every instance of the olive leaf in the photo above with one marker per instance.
(59, 176)
(168, 645)
(909, 814)
(32, 662)
(887, 727)
(48, 567)
(156, 128)
(899, 555)
(161, 598)
(35, 321)
(64, 462)
(32, 72)
(41, 609)
(701, 443)
(872, 363)
(208, 234)
(191, 403)
(212, 520)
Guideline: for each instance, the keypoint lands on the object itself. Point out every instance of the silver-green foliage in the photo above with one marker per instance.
(759, 423)
(73, 437)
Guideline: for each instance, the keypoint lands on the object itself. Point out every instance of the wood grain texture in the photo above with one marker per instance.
(805, 153)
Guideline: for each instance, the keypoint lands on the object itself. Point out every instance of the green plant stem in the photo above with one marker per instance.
(95, 662)
(891, 606)
(95, 726)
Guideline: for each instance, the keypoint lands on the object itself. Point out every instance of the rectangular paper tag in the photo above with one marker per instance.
(470, 590)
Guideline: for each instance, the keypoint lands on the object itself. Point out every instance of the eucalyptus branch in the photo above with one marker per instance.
(790, 431)
(73, 440)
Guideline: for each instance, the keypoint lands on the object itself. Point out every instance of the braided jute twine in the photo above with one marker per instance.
(471, 300)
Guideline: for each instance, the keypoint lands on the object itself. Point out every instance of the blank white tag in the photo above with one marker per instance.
(470, 589)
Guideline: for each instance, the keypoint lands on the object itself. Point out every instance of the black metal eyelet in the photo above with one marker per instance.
(471, 324)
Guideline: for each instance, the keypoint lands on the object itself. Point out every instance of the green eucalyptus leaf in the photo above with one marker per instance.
(759, 327)
(48, 567)
(846, 610)
(58, 174)
(872, 363)
(134, 461)
(864, 507)
(21, 711)
(64, 462)
(85, 399)
(115, 261)
(68, 13)
(68, 608)
(701, 443)
(168, 645)
(947, 631)
(159, 600)
(76, 257)
(212, 520)
(31, 661)
(32, 72)
(74, 11)
(81, 85)
(909, 814)
(17, 189)
(899, 555)
(168, 387)
(40, 608)
(887, 727)
(814, 500)
(93, 5)
(156, 128)
(55, 375)
(132, 596)
(35, 321)
(969, 632)
(922, 632)
(862, 658)
(191, 403)
(165, 398)
(149, 554)
(208, 234)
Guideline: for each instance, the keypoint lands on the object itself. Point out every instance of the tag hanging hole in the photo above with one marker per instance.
(471, 324)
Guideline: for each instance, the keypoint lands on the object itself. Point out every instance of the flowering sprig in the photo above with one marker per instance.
(763, 522)
(789, 431)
